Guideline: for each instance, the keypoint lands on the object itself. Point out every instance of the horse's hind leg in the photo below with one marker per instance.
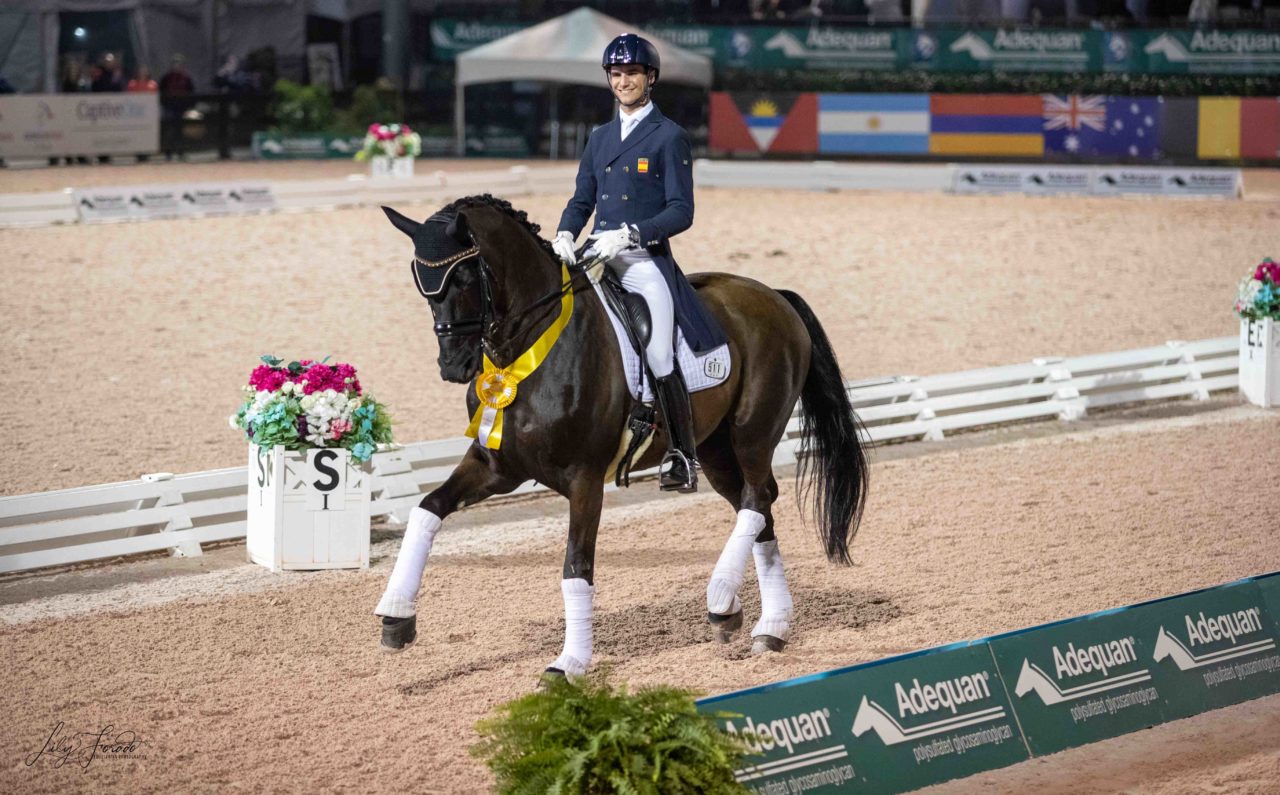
(470, 482)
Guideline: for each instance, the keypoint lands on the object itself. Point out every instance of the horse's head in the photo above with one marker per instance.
(460, 266)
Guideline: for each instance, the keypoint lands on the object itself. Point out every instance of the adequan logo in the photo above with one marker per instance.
(1072, 663)
(794, 733)
(1239, 630)
(920, 700)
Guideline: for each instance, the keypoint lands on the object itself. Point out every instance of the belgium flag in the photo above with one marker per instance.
(1221, 128)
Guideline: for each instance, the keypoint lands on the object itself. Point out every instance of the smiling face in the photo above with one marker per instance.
(630, 84)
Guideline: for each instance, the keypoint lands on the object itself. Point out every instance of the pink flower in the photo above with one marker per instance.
(1268, 270)
(337, 428)
(267, 379)
(373, 128)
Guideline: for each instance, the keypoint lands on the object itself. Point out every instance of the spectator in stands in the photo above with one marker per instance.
(142, 80)
(231, 78)
(73, 77)
(176, 88)
(110, 77)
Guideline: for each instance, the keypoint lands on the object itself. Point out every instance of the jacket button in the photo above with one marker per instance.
(607, 169)
(604, 196)
(627, 169)
(624, 197)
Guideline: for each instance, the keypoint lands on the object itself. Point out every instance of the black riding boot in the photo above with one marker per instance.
(680, 466)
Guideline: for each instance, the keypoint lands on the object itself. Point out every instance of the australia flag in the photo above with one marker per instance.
(1101, 126)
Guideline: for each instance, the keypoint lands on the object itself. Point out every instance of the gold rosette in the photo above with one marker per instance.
(496, 388)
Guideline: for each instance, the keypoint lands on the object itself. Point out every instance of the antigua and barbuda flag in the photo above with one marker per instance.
(760, 123)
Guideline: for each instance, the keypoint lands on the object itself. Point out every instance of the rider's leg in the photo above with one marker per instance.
(641, 275)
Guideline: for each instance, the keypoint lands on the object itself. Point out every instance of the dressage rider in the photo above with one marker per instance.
(637, 175)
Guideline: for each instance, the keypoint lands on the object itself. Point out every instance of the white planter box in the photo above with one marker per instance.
(307, 510)
(1260, 362)
(383, 167)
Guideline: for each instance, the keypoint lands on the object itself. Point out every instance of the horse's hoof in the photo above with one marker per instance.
(398, 634)
(761, 644)
(725, 626)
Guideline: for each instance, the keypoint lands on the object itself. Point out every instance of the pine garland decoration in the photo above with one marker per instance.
(589, 737)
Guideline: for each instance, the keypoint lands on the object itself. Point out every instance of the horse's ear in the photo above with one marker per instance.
(404, 224)
(458, 229)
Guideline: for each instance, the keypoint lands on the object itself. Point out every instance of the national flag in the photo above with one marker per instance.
(873, 123)
(985, 124)
(753, 122)
(1179, 121)
(1074, 113)
(1110, 127)
(1218, 128)
(1260, 127)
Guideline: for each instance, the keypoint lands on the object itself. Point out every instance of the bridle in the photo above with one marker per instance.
(486, 324)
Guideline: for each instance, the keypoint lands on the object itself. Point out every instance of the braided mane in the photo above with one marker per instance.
(503, 206)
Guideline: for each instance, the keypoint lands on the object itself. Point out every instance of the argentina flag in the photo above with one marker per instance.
(894, 124)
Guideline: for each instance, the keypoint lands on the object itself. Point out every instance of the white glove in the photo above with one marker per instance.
(612, 243)
(563, 244)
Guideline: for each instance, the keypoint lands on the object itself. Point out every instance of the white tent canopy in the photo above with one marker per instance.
(566, 49)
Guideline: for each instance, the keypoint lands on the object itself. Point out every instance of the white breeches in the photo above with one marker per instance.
(640, 274)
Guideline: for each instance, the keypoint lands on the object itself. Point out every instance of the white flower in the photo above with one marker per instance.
(232, 422)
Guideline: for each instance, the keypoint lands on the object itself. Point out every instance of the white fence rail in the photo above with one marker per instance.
(180, 513)
(59, 207)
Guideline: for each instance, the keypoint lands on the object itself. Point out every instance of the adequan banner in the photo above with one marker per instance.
(1115, 181)
(60, 125)
(149, 202)
(1035, 180)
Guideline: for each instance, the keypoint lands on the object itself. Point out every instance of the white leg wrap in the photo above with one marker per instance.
(577, 627)
(406, 576)
(775, 598)
(726, 577)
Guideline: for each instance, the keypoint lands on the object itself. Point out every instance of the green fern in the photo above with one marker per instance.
(589, 737)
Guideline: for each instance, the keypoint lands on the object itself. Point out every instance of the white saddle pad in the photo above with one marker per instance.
(700, 371)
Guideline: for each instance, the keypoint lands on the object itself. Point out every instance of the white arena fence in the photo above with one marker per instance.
(135, 203)
(179, 513)
(60, 207)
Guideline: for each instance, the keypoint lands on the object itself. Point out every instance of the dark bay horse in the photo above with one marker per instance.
(497, 292)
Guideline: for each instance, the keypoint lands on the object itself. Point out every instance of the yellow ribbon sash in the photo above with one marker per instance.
(496, 386)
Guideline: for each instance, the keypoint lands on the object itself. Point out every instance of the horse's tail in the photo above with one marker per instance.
(831, 454)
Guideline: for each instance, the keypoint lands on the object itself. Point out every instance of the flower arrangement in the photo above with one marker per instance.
(1259, 295)
(391, 140)
(308, 404)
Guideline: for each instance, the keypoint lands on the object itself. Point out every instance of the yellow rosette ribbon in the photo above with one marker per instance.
(497, 386)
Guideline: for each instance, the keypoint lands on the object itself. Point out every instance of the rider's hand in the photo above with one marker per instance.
(563, 245)
(612, 243)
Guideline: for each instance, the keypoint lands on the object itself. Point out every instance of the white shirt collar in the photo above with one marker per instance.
(629, 122)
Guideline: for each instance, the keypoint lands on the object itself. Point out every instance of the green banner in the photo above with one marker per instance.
(1194, 51)
(790, 47)
(1081, 681)
(449, 37)
(906, 722)
(886, 727)
(1011, 50)
(279, 146)
(1211, 649)
(975, 50)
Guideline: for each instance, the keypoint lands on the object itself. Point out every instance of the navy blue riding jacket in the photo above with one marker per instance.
(647, 181)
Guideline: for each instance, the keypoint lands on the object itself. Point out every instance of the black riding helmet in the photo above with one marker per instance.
(631, 49)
